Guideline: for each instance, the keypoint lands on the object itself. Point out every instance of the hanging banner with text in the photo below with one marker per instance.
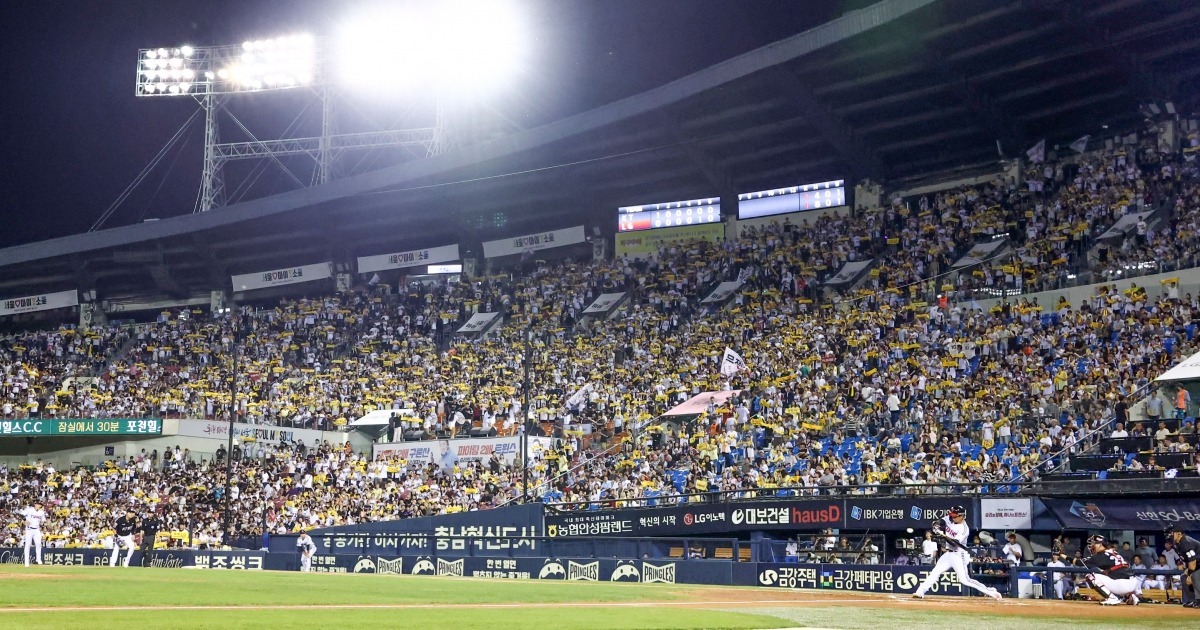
(604, 303)
(466, 450)
(849, 272)
(414, 258)
(1006, 514)
(262, 433)
(534, 242)
(646, 243)
(282, 276)
(981, 252)
(723, 292)
(42, 302)
(479, 322)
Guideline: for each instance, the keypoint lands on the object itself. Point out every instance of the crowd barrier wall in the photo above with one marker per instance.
(838, 577)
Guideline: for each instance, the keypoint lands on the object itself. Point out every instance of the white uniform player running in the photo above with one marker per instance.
(34, 518)
(307, 548)
(954, 529)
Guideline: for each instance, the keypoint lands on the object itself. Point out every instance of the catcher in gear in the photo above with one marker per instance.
(1111, 575)
(953, 533)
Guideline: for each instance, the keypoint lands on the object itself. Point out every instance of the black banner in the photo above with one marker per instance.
(573, 569)
(875, 578)
(902, 513)
(881, 514)
(169, 559)
(1146, 513)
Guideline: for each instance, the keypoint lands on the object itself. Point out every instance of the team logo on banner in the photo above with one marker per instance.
(1089, 512)
(586, 571)
(364, 565)
(552, 570)
(389, 567)
(626, 572)
(424, 566)
(450, 567)
(664, 574)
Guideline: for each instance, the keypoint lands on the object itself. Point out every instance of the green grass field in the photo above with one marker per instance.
(99, 597)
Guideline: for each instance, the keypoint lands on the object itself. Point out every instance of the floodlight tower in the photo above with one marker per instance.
(214, 74)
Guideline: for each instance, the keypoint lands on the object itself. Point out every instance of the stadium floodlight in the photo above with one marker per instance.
(267, 64)
(448, 45)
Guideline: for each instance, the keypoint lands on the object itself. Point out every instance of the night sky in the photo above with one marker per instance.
(74, 136)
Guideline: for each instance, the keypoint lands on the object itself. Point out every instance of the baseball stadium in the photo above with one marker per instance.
(581, 314)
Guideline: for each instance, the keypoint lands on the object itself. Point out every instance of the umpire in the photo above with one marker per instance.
(1189, 553)
(149, 527)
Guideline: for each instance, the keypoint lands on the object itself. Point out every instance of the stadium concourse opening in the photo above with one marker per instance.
(500, 358)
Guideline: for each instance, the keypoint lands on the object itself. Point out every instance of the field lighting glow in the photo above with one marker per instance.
(458, 45)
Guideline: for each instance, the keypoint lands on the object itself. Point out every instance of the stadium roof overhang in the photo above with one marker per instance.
(893, 92)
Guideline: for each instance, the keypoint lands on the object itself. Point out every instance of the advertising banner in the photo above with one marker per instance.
(40, 302)
(699, 518)
(1138, 514)
(414, 258)
(1006, 514)
(646, 571)
(534, 242)
(874, 578)
(171, 559)
(646, 243)
(464, 450)
(33, 427)
(900, 514)
(261, 433)
(482, 531)
(281, 276)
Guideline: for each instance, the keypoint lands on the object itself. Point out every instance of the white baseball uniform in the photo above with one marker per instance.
(1058, 580)
(956, 559)
(34, 517)
(306, 546)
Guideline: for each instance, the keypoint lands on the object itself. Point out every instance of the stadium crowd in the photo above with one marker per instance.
(846, 390)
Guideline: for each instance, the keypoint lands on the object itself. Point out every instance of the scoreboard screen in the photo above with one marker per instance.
(672, 214)
(792, 199)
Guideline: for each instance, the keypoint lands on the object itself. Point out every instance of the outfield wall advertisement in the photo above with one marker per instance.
(166, 559)
(835, 577)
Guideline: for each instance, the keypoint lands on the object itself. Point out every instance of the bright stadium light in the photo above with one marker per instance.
(454, 45)
(276, 63)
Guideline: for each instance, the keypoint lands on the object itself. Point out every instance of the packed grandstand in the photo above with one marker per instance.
(902, 380)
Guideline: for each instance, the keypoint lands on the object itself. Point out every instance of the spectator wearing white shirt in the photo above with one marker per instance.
(1120, 431)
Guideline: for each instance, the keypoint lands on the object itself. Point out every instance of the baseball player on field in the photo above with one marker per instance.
(124, 538)
(953, 532)
(1111, 575)
(34, 517)
(307, 548)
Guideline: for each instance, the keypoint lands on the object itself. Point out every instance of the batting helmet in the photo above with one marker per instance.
(1096, 539)
(958, 510)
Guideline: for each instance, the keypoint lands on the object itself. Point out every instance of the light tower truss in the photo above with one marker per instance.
(215, 75)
